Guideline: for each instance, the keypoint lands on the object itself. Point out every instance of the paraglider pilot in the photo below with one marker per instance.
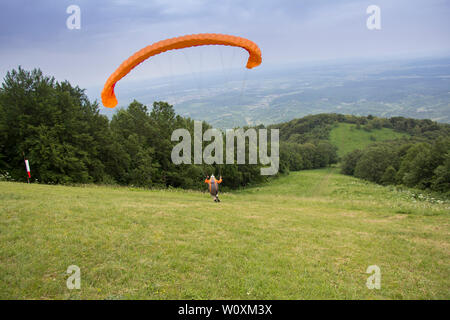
(213, 186)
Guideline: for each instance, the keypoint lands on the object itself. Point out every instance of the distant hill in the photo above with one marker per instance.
(346, 137)
(347, 132)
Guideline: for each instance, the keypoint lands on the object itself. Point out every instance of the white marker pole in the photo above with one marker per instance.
(27, 166)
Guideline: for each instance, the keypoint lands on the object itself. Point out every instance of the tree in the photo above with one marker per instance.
(349, 162)
(52, 124)
(389, 176)
(441, 178)
(326, 154)
(416, 169)
(374, 162)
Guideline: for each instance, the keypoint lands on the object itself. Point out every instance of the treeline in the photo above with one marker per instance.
(295, 157)
(61, 132)
(417, 164)
(314, 127)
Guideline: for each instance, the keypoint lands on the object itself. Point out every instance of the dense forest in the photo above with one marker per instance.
(417, 164)
(67, 140)
(420, 161)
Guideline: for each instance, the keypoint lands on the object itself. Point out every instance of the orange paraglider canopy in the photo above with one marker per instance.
(109, 98)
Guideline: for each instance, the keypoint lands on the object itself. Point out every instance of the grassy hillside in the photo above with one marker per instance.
(309, 235)
(347, 138)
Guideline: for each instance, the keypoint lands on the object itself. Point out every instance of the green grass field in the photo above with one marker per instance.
(347, 138)
(308, 235)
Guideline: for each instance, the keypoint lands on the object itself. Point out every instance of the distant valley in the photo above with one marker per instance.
(415, 88)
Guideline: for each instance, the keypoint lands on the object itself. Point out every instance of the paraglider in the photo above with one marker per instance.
(213, 186)
(108, 96)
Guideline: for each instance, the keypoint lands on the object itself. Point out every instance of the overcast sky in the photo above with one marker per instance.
(34, 33)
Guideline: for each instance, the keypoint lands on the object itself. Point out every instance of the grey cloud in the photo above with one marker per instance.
(33, 33)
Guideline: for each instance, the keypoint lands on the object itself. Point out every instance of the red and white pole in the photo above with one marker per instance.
(27, 166)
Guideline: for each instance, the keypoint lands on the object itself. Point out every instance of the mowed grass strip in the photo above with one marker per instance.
(347, 138)
(308, 235)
